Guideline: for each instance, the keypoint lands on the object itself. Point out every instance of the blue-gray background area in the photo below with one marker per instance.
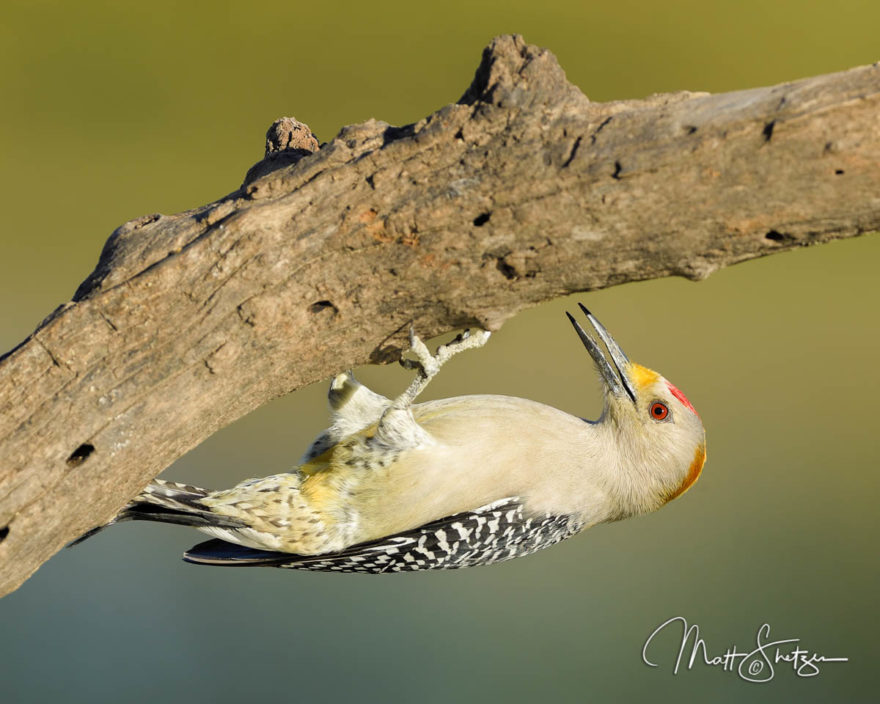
(111, 112)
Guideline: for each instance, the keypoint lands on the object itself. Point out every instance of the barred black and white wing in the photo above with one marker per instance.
(492, 533)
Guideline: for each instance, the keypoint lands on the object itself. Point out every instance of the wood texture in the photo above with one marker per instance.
(521, 192)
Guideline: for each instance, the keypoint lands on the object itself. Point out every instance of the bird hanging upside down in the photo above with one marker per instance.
(393, 487)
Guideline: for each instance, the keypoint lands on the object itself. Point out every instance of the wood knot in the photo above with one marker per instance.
(287, 141)
(290, 133)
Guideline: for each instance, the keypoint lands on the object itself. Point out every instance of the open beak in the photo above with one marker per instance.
(615, 377)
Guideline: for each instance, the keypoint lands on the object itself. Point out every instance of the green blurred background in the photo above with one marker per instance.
(112, 110)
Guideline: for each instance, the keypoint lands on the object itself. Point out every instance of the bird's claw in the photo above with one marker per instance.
(463, 341)
(427, 364)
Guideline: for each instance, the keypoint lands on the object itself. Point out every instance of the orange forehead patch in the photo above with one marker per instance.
(641, 376)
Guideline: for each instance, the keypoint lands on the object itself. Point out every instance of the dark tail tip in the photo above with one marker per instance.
(87, 535)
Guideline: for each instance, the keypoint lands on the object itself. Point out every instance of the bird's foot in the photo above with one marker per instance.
(428, 365)
(466, 340)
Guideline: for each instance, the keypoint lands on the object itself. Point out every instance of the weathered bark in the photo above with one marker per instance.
(520, 192)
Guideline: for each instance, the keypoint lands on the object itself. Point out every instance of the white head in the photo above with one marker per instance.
(657, 435)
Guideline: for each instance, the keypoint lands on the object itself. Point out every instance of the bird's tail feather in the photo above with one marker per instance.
(168, 502)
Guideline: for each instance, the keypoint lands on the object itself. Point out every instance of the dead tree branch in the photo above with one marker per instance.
(520, 192)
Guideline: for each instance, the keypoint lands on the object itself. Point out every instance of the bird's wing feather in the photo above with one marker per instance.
(492, 533)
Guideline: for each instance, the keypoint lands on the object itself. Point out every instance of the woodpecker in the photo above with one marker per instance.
(393, 486)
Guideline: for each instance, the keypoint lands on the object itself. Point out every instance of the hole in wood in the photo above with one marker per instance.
(506, 270)
(4, 531)
(776, 236)
(482, 219)
(80, 454)
(320, 306)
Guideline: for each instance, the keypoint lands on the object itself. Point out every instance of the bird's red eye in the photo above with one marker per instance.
(659, 411)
